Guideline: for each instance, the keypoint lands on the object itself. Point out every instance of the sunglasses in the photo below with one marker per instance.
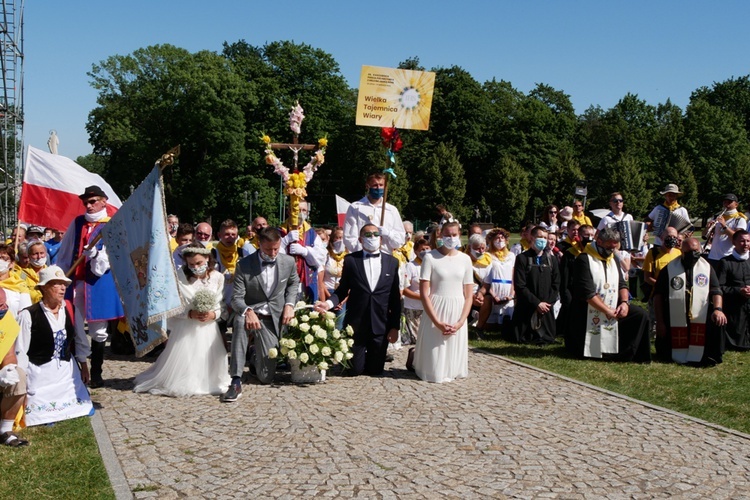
(370, 234)
(90, 201)
(553, 211)
(616, 200)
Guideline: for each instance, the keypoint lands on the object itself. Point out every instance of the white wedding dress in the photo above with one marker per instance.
(438, 357)
(195, 360)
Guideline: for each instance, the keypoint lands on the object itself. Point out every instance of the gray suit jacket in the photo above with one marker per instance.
(248, 286)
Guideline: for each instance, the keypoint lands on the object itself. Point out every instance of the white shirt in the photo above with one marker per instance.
(269, 276)
(611, 218)
(681, 211)
(373, 265)
(413, 271)
(721, 243)
(363, 212)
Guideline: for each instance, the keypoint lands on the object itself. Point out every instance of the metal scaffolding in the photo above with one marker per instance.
(11, 111)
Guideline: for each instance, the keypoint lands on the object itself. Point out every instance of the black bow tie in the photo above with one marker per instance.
(373, 255)
(268, 263)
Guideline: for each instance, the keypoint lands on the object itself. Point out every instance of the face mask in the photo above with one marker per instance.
(605, 252)
(476, 253)
(376, 193)
(671, 242)
(172, 228)
(38, 262)
(266, 258)
(371, 244)
(540, 244)
(338, 246)
(585, 240)
(408, 236)
(303, 216)
(198, 270)
(422, 254)
(451, 242)
(499, 244)
(4, 266)
(439, 242)
(690, 258)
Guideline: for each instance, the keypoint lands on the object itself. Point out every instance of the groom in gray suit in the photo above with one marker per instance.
(265, 290)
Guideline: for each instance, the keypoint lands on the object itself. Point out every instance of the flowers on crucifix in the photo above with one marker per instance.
(295, 181)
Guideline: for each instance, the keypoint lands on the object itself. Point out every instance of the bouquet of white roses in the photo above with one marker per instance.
(312, 339)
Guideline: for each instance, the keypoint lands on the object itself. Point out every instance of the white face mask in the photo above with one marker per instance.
(499, 244)
(303, 216)
(476, 253)
(338, 246)
(199, 270)
(422, 254)
(38, 262)
(265, 258)
(4, 266)
(371, 244)
(451, 242)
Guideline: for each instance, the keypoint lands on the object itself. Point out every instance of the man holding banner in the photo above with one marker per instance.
(94, 294)
(368, 210)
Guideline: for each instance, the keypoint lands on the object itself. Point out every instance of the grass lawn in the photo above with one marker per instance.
(718, 394)
(62, 461)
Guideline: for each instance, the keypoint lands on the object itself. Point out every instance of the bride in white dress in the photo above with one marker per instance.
(195, 360)
(446, 285)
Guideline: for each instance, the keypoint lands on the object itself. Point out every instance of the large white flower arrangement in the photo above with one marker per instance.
(312, 339)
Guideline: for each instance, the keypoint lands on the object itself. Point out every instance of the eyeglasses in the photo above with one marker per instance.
(553, 211)
(90, 201)
(370, 234)
(616, 200)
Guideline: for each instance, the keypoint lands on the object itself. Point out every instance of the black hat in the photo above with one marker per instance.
(730, 197)
(35, 229)
(93, 191)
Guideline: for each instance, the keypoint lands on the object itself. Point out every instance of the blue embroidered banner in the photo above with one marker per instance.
(138, 247)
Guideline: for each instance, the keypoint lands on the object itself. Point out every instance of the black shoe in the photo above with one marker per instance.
(96, 383)
(233, 393)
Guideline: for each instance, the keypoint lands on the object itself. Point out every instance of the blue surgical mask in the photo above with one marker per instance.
(540, 244)
(2, 313)
(376, 193)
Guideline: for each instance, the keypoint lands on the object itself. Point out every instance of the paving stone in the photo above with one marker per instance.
(506, 431)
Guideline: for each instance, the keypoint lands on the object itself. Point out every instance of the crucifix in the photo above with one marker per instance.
(295, 147)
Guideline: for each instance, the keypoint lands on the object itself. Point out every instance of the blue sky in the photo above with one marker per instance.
(595, 51)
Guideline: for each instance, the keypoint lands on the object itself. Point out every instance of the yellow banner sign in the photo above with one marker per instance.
(395, 97)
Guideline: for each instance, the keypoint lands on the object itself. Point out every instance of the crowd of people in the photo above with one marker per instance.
(564, 281)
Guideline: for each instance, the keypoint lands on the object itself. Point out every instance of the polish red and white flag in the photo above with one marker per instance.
(341, 208)
(50, 190)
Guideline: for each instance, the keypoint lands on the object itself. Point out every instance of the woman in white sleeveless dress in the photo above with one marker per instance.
(446, 284)
(195, 360)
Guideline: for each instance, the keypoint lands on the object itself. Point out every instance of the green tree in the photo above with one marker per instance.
(627, 179)
(717, 146)
(507, 192)
(161, 96)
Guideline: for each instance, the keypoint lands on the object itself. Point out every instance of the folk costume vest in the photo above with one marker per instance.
(42, 345)
(688, 310)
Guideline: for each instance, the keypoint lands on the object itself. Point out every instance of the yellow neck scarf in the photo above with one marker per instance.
(592, 251)
(229, 255)
(483, 261)
(525, 245)
(501, 254)
(338, 257)
(15, 283)
(674, 206)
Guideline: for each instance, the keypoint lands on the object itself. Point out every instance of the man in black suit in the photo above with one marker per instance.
(370, 280)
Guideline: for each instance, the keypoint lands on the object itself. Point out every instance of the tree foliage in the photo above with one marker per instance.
(489, 144)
